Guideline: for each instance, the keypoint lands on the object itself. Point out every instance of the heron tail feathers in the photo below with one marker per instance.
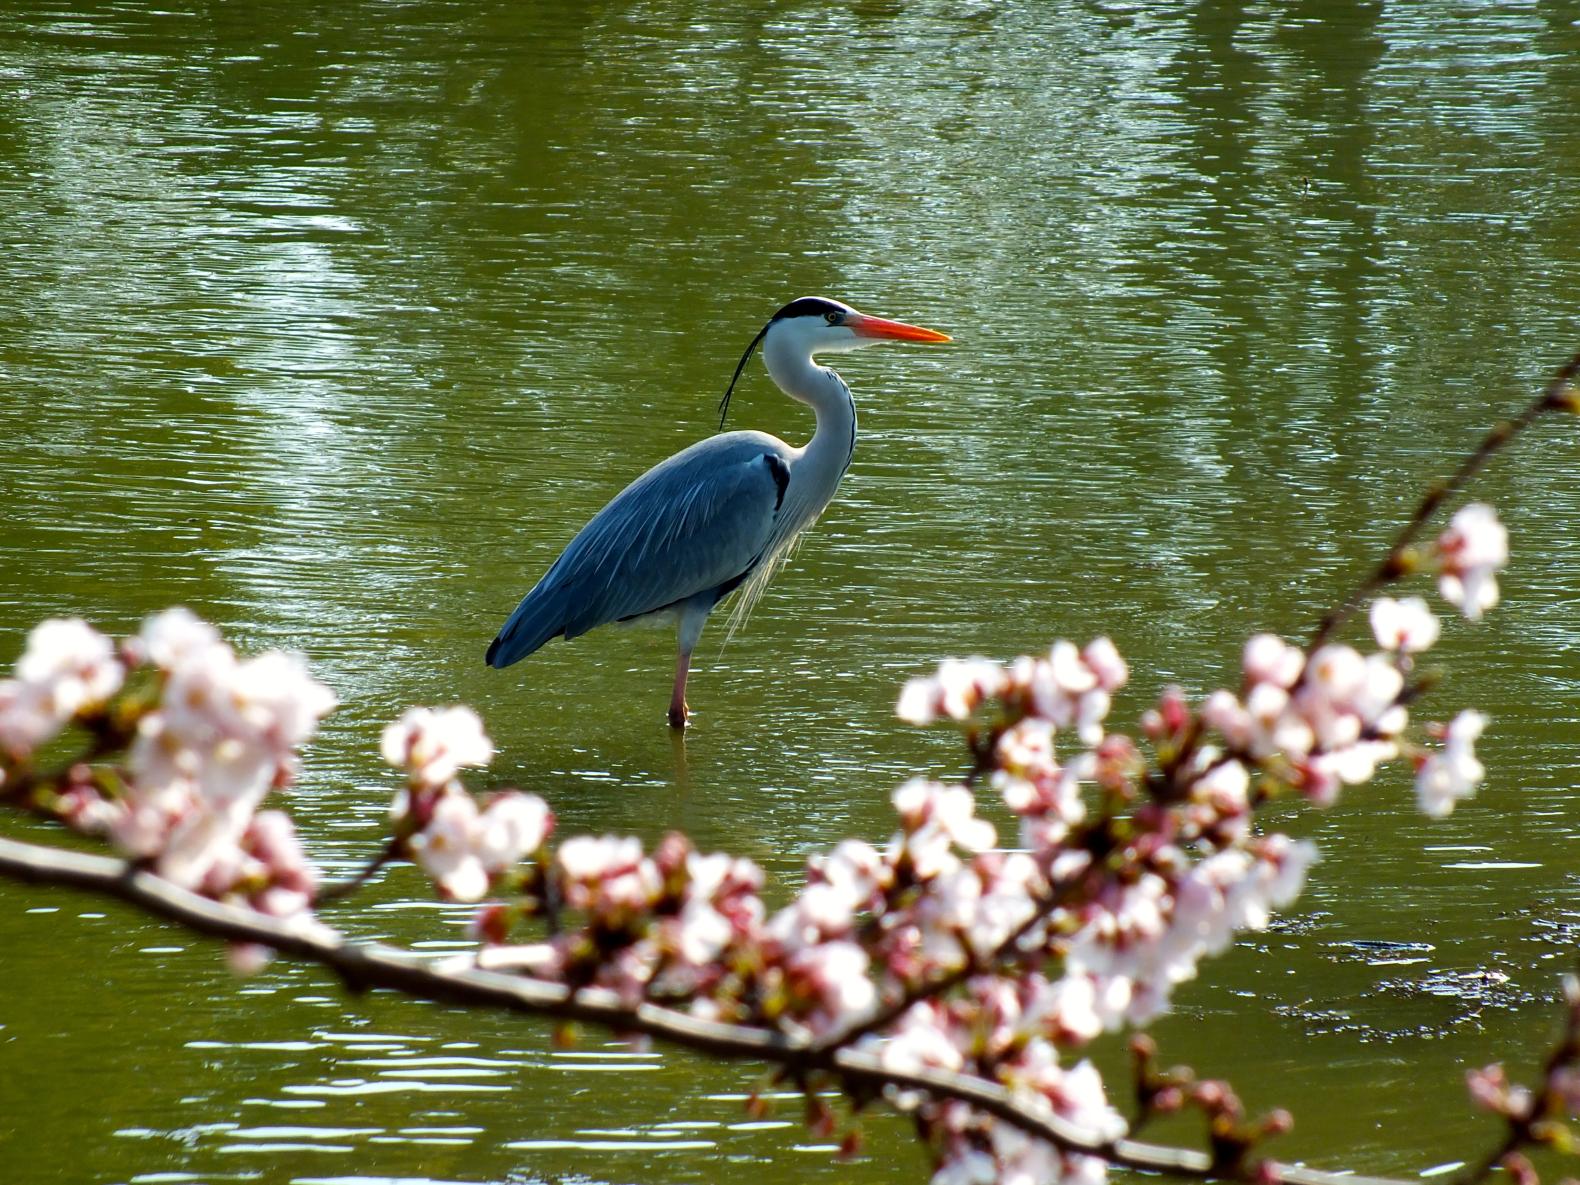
(539, 617)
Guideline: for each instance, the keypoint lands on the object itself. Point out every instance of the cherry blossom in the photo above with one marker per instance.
(172, 638)
(1472, 550)
(1406, 625)
(222, 734)
(1072, 688)
(1267, 658)
(463, 847)
(1453, 773)
(936, 819)
(830, 986)
(1491, 1090)
(848, 880)
(953, 693)
(922, 1039)
(607, 875)
(935, 950)
(68, 666)
(721, 907)
(433, 744)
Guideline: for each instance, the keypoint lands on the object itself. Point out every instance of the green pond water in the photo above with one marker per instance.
(335, 321)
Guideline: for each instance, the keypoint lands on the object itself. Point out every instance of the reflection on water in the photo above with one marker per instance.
(336, 330)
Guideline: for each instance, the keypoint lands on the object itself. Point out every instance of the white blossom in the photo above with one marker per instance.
(1452, 773)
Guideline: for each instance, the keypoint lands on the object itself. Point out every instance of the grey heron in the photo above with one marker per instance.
(718, 516)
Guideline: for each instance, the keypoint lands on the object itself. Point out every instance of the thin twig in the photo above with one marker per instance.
(340, 889)
(1556, 397)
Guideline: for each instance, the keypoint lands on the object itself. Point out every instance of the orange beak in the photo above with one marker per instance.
(864, 326)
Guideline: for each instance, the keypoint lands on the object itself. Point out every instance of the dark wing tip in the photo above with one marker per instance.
(493, 649)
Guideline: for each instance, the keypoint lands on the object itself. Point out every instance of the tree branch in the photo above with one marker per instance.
(365, 965)
(1556, 396)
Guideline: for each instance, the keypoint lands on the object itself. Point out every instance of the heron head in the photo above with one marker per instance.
(818, 324)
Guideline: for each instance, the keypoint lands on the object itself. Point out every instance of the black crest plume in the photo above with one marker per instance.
(806, 306)
(724, 404)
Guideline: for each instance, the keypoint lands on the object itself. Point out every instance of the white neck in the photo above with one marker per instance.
(816, 470)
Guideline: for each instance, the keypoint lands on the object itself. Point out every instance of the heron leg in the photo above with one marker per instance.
(678, 709)
(693, 616)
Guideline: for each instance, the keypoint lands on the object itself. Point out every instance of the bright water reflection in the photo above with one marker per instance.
(336, 327)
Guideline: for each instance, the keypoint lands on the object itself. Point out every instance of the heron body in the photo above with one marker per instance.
(716, 517)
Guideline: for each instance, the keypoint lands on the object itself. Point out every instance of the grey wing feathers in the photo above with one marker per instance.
(695, 522)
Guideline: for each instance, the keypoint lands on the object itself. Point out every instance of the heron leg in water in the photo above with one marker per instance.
(693, 616)
(678, 709)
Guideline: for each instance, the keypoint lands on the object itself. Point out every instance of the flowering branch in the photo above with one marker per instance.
(1534, 1118)
(1559, 395)
(363, 966)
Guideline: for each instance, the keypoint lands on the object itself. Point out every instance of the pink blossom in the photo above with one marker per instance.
(1491, 1090)
(1282, 865)
(1025, 749)
(1354, 764)
(944, 916)
(1102, 658)
(1269, 659)
(1046, 794)
(1335, 726)
(223, 734)
(1473, 549)
(1564, 1082)
(1224, 712)
(1009, 882)
(924, 1038)
(1170, 717)
(199, 847)
(72, 663)
(28, 718)
(512, 825)
(1445, 777)
(277, 701)
(172, 638)
(953, 693)
(272, 840)
(1404, 625)
(247, 958)
(1072, 688)
(464, 848)
(937, 818)
(1350, 706)
(228, 730)
(1141, 939)
(720, 907)
(831, 978)
(67, 667)
(433, 744)
(1070, 1006)
(1224, 786)
(965, 1164)
(1075, 1094)
(607, 875)
(839, 885)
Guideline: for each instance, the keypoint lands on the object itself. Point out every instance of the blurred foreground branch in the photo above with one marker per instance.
(363, 966)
